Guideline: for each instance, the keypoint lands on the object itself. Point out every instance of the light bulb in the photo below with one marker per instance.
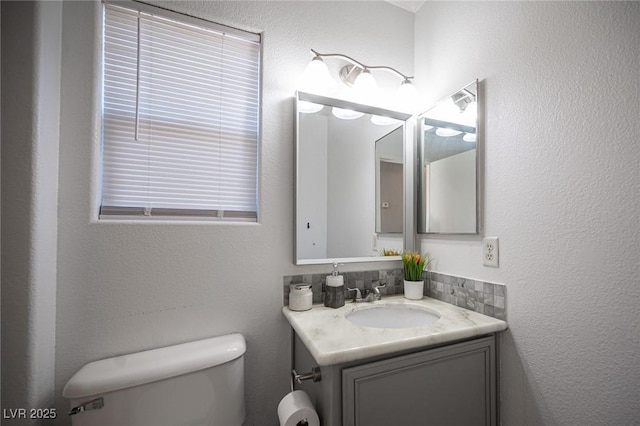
(316, 77)
(365, 87)
(406, 97)
(309, 107)
(346, 114)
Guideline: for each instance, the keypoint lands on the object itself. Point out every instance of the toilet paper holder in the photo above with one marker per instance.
(314, 375)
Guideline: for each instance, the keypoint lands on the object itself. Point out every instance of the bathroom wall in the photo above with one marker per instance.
(30, 123)
(561, 191)
(561, 90)
(128, 287)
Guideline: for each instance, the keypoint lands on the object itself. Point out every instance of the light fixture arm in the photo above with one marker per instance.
(361, 65)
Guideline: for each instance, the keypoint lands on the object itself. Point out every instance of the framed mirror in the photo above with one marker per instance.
(448, 162)
(343, 153)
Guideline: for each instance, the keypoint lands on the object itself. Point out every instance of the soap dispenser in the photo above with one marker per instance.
(334, 291)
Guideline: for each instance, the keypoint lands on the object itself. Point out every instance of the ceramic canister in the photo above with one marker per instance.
(300, 297)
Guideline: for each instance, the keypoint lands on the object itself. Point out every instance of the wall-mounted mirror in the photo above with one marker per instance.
(448, 178)
(343, 151)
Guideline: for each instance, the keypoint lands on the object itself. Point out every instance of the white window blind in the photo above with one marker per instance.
(180, 116)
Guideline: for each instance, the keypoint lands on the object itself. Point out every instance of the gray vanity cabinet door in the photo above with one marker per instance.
(450, 386)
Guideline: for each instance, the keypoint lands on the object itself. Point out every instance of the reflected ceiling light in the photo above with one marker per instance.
(309, 107)
(358, 76)
(466, 108)
(470, 137)
(450, 112)
(446, 132)
(381, 120)
(470, 114)
(346, 114)
(457, 110)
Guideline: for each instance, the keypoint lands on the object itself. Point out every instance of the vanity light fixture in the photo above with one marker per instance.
(357, 76)
(407, 94)
(316, 77)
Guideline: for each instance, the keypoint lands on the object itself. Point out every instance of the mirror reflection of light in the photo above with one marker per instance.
(445, 133)
(470, 114)
(309, 107)
(470, 137)
(447, 111)
(450, 112)
(346, 114)
(383, 121)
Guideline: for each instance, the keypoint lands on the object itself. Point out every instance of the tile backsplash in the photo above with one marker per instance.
(479, 296)
(360, 279)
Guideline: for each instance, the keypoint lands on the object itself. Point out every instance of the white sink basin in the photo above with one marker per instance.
(392, 316)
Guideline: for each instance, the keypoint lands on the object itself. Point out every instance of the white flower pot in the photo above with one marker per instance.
(413, 290)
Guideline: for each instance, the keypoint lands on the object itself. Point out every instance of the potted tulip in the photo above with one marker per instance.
(413, 265)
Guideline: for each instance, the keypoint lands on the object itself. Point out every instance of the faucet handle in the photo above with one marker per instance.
(376, 289)
(357, 296)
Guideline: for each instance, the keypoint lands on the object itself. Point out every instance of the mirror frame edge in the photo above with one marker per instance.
(410, 188)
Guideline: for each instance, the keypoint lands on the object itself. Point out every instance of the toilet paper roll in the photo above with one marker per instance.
(296, 407)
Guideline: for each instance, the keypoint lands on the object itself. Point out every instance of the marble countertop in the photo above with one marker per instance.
(332, 339)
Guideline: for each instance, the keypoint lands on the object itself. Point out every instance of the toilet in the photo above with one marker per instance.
(196, 383)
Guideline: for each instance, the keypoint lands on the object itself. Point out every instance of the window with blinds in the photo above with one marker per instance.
(180, 116)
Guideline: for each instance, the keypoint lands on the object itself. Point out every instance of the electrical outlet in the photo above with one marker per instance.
(490, 251)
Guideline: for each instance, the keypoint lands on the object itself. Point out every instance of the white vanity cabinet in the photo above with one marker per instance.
(451, 384)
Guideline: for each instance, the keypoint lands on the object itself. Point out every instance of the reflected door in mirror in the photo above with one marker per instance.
(391, 175)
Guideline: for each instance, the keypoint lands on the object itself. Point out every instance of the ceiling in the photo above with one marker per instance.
(411, 6)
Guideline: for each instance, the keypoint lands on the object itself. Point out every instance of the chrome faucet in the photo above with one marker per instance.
(370, 295)
(357, 296)
(375, 292)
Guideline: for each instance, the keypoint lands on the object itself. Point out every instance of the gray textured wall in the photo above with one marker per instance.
(30, 123)
(562, 186)
(128, 287)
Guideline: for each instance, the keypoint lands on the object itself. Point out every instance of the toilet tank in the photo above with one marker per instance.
(195, 383)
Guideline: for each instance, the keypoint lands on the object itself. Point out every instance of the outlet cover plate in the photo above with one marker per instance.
(490, 252)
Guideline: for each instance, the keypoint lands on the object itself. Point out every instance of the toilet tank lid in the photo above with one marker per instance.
(139, 368)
